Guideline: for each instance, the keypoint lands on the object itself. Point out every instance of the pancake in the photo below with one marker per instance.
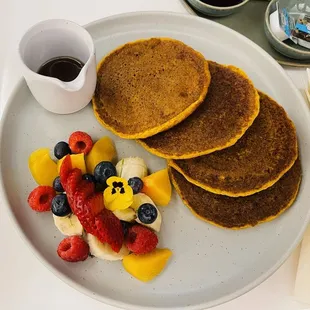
(230, 107)
(257, 161)
(147, 86)
(240, 212)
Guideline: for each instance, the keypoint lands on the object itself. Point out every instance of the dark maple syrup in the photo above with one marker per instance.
(222, 3)
(63, 68)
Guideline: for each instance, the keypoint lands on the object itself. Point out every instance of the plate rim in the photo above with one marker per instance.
(114, 302)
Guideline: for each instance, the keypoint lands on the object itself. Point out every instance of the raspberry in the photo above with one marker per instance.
(80, 142)
(40, 199)
(141, 240)
(73, 249)
(65, 170)
(108, 228)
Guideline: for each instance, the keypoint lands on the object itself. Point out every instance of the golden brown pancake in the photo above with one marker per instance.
(240, 212)
(230, 107)
(148, 86)
(258, 160)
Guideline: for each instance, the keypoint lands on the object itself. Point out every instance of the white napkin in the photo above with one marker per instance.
(302, 283)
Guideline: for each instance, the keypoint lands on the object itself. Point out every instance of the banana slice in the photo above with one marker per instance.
(103, 250)
(140, 199)
(68, 225)
(127, 215)
(131, 167)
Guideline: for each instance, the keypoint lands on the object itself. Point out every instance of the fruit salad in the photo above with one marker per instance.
(107, 211)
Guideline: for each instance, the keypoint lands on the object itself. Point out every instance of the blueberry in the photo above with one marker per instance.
(57, 185)
(60, 205)
(61, 149)
(136, 184)
(100, 187)
(89, 177)
(147, 213)
(125, 226)
(103, 171)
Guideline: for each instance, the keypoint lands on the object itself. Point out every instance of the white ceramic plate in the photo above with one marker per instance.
(210, 265)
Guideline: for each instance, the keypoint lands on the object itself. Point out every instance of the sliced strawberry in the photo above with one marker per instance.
(88, 206)
(84, 191)
(109, 229)
(65, 170)
(73, 180)
(95, 204)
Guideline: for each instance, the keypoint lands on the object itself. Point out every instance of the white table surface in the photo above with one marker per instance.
(24, 282)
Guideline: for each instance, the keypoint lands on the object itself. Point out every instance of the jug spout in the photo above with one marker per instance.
(77, 84)
(84, 76)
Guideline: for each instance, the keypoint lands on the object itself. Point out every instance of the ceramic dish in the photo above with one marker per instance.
(288, 47)
(211, 10)
(252, 15)
(210, 265)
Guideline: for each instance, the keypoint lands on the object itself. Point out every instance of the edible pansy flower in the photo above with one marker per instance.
(118, 195)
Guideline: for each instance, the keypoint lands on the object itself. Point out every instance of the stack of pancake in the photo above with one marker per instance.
(232, 150)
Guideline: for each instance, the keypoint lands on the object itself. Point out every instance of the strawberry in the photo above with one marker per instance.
(40, 199)
(109, 229)
(141, 240)
(72, 182)
(96, 220)
(87, 205)
(83, 191)
(95, 204)
(80, 142)
(65, 169)
(73, 249)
